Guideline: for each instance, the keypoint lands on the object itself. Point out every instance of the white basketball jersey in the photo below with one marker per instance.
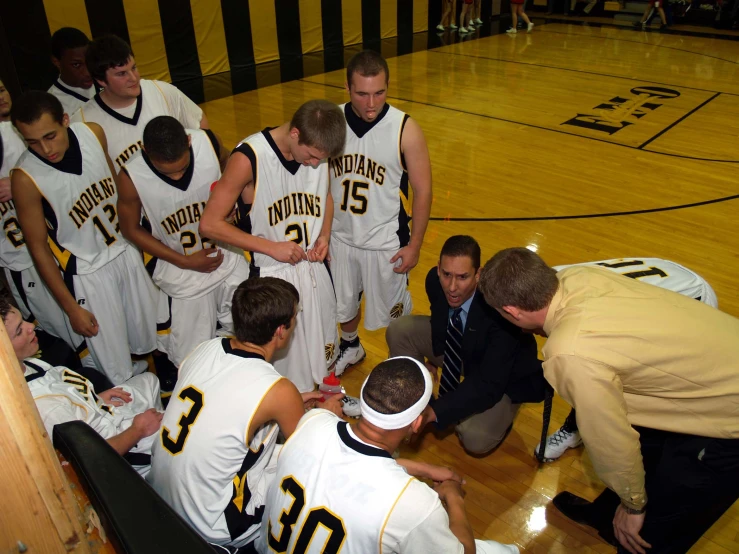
(125, 130)
(173, 210)
(289, 198)
(369, 183)
(80, 208)
(202, 465)
(72, 98)
(13, 252)
(332, 493)
(662, 273)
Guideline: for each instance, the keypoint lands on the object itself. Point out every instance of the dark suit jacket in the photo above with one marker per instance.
(498, 358)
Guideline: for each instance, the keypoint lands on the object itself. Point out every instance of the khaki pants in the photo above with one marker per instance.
(410, 336)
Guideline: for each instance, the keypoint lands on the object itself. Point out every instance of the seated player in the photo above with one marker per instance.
(218, 448)
(65, 196)
(287, 226)
(338, 488)
(74, 87)
(128, 417)
(168, 181)
(662, 273)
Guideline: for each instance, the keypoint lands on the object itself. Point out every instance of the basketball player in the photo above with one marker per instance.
(372, 247)
(31, 295)
(129, 102)
(338, 489)
(74, 87)
(218, 449)
(285, 212)
(128, 416)
(662, 273)
(169, 179)
(65, 196)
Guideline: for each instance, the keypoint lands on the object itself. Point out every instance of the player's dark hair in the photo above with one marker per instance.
(106, 52)
(7, 303)
(260, 305)
(367, 63)
(29, 107)
(518, 277)
(462, 245)
(321, 125)
(165, 139)
(394, 386)
(65, 39)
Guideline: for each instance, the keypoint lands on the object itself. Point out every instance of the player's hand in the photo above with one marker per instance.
(626, 527)
(319, 252)
(287, 252)
(449, 489)
(204, 261)
(5, 192)
(115, 396)
(333, 404)
(147, 423)
(409, 257)
(311, 399)
(83, 322)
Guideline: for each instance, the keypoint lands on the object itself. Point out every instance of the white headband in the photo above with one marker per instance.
(406, 417)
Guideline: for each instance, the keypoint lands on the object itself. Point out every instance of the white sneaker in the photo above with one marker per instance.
(558, 443)
(531, 26)
(139, 366)
(478, 21)
(348, 356)
(452, 26)
(511, 31)
(350, 406)
(463, 30)
(439, 27)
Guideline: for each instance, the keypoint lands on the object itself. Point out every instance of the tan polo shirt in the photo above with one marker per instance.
(627, 353)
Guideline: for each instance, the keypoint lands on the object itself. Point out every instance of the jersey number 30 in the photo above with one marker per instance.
(175, 446)
(315, 517)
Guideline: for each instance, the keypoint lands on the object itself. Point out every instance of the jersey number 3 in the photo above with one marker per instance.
(317, 516)
(175, 446)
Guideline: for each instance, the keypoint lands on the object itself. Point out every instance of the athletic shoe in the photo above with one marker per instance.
(350, 406)
(452, 26)
(511, 31)
(531, 26)
(350, 353)
(558, 443)
(463, 30)
(139, 366)
(478, 21)
(439, 27)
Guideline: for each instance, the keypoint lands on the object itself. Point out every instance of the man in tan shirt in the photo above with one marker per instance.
(654, 378)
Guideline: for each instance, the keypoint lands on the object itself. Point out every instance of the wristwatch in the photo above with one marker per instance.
(634, 511)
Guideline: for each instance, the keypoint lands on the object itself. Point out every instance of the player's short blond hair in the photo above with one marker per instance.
(321, 125)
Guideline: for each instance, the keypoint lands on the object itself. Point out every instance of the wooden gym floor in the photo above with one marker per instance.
(581, 142)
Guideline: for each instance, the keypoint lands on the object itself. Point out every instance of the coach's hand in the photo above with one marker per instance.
(409, 255)
(319, 252)
(83, 322)
(626, 527)
(5, 193)
(287, 252)
(115, 396)
(204, 261)
(147, 423)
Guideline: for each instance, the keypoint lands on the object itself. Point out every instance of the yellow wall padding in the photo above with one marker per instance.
(311, 28)
(389, 18)
(70, 13)
(264, 30)
(420, 16)
(351, 16)
(207, 20)
(147, 42)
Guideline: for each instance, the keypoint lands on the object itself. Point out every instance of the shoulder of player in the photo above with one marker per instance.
(412, 132)
(98, 131)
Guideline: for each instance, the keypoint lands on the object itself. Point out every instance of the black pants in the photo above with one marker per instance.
(690, 481)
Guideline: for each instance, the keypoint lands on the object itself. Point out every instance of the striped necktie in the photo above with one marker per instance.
(451, 372)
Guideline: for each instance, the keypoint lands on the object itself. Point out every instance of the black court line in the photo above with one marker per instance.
(663, 131)
(590, 216)
(585, 72)
(532, 126)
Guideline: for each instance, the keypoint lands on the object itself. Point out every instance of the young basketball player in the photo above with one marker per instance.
(168, 181)
(74, 87)
(65, 196)
(280, 181)
(372, 246)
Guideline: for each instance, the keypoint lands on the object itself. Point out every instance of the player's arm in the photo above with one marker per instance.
(237, 178)
(145, 424)
(204, 122)
(319, 252)
(33, 225)
(418, 164)
(129, 219)
(452, 495)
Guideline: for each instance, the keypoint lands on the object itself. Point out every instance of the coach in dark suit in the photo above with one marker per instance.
(489, 366)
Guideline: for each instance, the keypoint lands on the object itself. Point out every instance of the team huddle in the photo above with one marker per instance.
(129, 229)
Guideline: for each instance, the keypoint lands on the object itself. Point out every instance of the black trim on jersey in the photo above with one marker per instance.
(183, 183)
(167, 324)
(40, 371)
(70, 268)
(239, 521)
(214, 142)
(122, 118)
(71, 162)
(359, 126)
(228, 349)
(358, 446)
(404, 230)
(58, 84)
(246, 149)
(406, 117)
(137, 458)
(150, 261)
(291, 165)
(2, 153)
(18, 281)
